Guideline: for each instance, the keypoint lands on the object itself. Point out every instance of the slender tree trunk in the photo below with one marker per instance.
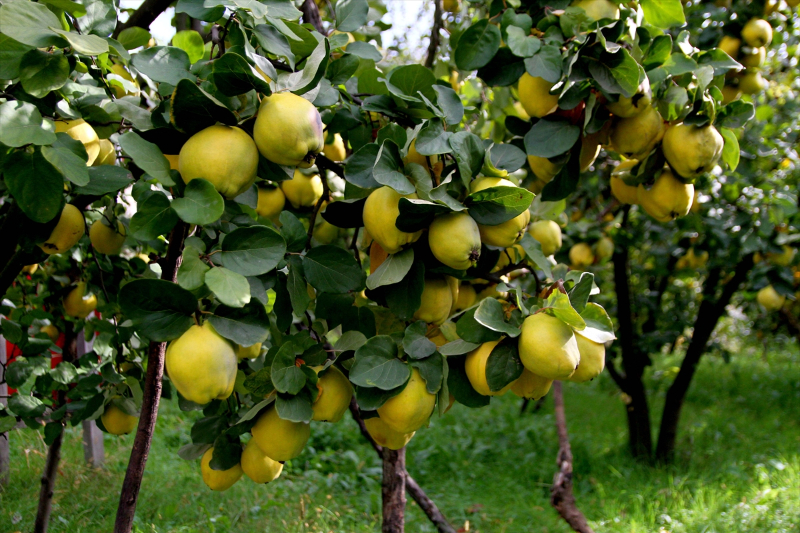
(707, 318)
(393, 490)
(639, 429)
(433, 47)
(152, 395)
(561, 496)
(311, 15)
(412, 487)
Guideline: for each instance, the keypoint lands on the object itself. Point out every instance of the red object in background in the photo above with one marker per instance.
(12, 351)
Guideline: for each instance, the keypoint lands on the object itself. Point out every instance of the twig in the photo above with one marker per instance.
(326, 196)
(354, 247)
(433, 47)
(143, 16)
(311, 15)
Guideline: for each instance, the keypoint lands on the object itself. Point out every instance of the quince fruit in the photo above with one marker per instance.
(755, 58)
(757, 33)
(593, 359)
(335, 151)
(784, 258)
(692, 151)
(77, 304)
(548, 233)
(68, 231)
(105, 239)
(218, 480)
(668, 198)
(411, 409)
(544, 169)
(248, 352)
(258, 466)
(118, 422)
(475, 367)
(509, 256)
(547, 347)
(119, 90)
(386, 436)
(508, 233)
(455, 240)
(535, 97)
(730, 45)
(380, 213)
(202, 365)
(437, 300)
(81, 131)
(107, 154)
(531, 386)
(288, 130)
(636, 136)
(279, 439)
(51, 331)
(604, 248)
(270, 202)
(466, 298)
(451, 6)
(415, 157)
(225, 156)
(333, 397)
(752, 82)
(624, 193)
(769, 298)
(581, 256)
(302, 190)
(627, 107)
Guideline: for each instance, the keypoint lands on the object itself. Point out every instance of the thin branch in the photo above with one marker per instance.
(143, 16)
(311, 15)
(326, 196)
(433, 47)
(323, 163)
(354, 247)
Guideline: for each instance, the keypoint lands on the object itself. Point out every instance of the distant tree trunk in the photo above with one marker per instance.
(633, 361)
(152, 394)
(561, 496)
(48, 480)
(311, 15)
(433, 46)
(707, 318)
(393, 490)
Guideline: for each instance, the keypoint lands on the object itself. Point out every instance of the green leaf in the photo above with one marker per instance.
(26, 406)
(350, 341)
(134, 37)
(64, 373)
(233, 76)
(415, 343)
(227, 453)
(546, 64)
(70, 7)
(470, 330)
(192, 272)
(579, 295)
(469, 151)
(358, 169)
(11, 53)
(72, 166)
(404, 298)
(160, 309)
(230, 288)
(477, 46)
(450, 103)
(626, 71)
(332, 269)
(495, 205)
(491, 315)
(197, 9)
(730, 152)
(193, 109)
(105, 179)
(407, 81)
(431, 369)
(7, 423)
(295, 408)
(561, 308)
(503, 365)
(190, 42)
(522, 44)
(40, 72)
(457, 347)
(89, 45)
(35, 184)
(253, 250)
(735, 115)
(21, 124)
(663, 13)
(274, 42)
(314, 68)
(432, 139)
(286, 375)
(154, 217)
(167, 64)
(201, 203)
(460, 387)
(246, 326)
(297, 287)
(342, 69)
(351, 14)
(293, 232)
(147, 156)
(12, 332)
(598, 324)
(376, 365)
(549, 138)
(392, 270)
(30, 23)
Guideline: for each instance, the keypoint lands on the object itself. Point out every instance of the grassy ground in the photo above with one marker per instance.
(738, 468)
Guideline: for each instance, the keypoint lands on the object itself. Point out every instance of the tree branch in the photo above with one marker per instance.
(561, 496)
(433, 47)
(152, 395)
(311, 15)
(143, 16)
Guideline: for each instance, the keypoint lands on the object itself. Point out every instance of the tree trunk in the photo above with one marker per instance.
(433, 46)
(639, 429)
(152, 394)
(561, 496)
(311, 15)
(707, 317)
(143, 16)
(393, 490)
(48, 483)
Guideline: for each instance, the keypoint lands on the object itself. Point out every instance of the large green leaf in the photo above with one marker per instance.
(11, 53)
(200, 204)
(296, 408)
(68, 156)
(35, 184)
(167, 64)
(490, 314)
(376, 365)
(351, 14)
(332, 269)
(230, 288)
(88, 45)
(193, 109)
(253, 250)
(549, 138)
(40, 72)
(192, 272)
(274, 42)
(30, 23)
(599, 327)
(147, 156)
(190, 42)
(160, 309)
(663, 13)
(286, 375)
(21, 123)
(415, 343)
(105, 179)
(392, 270)
(233, 76)
(477, 46)
(154, 217)
(503, 365)
(470, 330)
(246, 326)
(431, 369)
(495, 205)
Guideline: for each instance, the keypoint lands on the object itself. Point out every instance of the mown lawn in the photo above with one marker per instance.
(738, 468)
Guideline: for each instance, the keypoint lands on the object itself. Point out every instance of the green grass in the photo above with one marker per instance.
(738, 468)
